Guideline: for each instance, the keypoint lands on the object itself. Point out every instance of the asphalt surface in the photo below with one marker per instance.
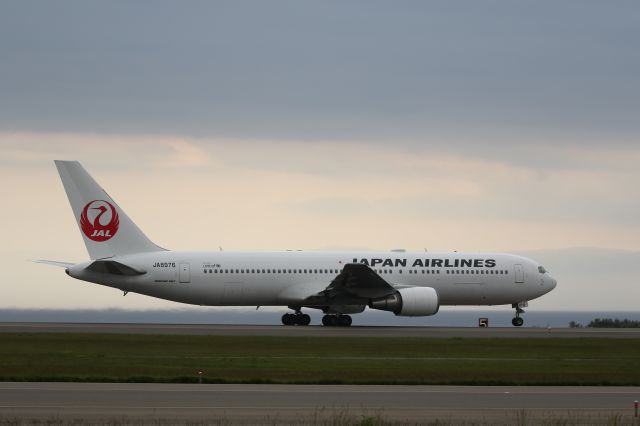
(315, 330)
(263, 404)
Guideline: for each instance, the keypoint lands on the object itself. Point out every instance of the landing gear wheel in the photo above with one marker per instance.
(344, 320)
(336, 320)
(329, 320)
(303, 319)
(289, 319)
(517, 321)
(296, 319)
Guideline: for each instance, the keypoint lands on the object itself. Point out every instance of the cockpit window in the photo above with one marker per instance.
(541, 269)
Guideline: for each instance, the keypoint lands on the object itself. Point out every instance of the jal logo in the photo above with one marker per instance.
(99, 220)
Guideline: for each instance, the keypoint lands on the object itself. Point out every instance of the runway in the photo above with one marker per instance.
(255, 404)
(353, 331)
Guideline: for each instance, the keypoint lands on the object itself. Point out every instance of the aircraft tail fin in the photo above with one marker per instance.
(106, 229)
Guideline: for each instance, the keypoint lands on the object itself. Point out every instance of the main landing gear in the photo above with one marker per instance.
(336, 320)
(296, 319)
(517, 321)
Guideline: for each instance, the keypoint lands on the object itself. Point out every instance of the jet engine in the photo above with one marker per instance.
(409, 302)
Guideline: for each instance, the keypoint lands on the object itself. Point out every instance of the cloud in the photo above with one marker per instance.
(185, 154)
(421, 74)
(114, 151)
(457, 200)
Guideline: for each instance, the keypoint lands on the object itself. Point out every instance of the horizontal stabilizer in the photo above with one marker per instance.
(55, 263)
(115, 268)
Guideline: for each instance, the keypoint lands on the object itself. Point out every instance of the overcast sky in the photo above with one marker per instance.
(453, 125)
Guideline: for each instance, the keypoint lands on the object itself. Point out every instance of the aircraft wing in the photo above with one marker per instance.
(356, 284)
(359, 281)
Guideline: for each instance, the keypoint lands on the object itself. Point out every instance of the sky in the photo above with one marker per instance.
(369, 125)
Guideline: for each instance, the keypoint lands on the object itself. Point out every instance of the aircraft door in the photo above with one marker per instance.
(185, 273)
(519, 270)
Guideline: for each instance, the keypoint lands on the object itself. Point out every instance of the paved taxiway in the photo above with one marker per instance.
(279, 330)
(256, 403)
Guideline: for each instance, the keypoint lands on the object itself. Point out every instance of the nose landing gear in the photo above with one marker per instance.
(517, 321)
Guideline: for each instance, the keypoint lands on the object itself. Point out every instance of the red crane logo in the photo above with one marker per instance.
(99, 220)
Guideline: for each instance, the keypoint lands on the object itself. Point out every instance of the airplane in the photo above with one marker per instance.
(337, 283)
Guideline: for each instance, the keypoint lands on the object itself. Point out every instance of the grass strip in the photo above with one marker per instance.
(318, 360)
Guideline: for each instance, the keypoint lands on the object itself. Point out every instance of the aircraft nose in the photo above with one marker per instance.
(553, 283)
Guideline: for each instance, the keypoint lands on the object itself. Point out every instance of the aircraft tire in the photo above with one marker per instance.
(303, 319)
(289, 319)
(517, 322)
(329, 320)
(344, 320)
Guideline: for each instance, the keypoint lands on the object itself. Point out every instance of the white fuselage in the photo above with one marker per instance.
(286, 278)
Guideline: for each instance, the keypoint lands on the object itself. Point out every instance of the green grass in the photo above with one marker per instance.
(359, 360)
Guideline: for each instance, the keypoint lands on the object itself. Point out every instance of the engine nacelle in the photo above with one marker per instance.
(409, 302)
